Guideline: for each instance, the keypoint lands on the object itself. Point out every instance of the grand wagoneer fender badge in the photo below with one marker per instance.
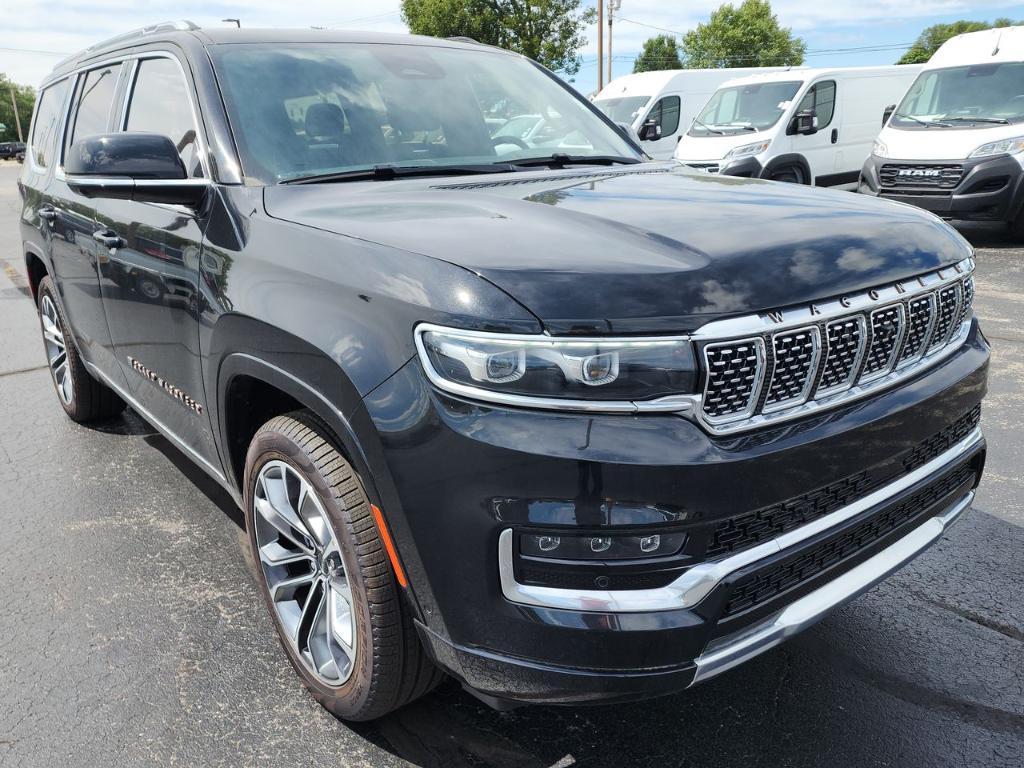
(166, 386)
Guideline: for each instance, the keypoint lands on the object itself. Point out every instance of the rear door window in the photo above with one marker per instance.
(160, 104)
(49, 110)
(93, 100)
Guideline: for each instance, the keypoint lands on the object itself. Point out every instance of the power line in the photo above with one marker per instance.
(33, 50)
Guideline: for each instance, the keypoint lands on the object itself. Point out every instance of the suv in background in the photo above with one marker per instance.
(11, 149)
(565, 424)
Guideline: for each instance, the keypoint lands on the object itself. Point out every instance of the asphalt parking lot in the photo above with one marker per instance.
(132, 632)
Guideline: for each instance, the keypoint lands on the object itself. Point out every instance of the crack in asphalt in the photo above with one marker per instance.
(1004, 629)
(17, 371)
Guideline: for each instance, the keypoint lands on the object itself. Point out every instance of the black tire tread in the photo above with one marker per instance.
(402, 671)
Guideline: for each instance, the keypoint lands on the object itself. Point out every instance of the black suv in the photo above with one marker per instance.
(565, 424)
(11, 149)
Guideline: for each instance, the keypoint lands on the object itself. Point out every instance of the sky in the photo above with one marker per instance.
(41, 32)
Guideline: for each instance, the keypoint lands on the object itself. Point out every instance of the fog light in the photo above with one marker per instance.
(600, 544)
(650, 543)
(589, 547)
(547, 543)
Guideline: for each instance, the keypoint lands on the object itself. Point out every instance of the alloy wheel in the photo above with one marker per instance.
(56, 350)
(301, 561)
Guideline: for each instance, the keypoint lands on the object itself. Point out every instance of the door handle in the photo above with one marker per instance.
(47, 213)
(835, 135)
(108, 238)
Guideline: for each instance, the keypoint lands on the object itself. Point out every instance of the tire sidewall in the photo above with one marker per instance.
(75, 366)
(270, 446)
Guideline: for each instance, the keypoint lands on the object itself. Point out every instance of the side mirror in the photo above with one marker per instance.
(650, 131)
(887, 113)
(144, 167)
(805, 122)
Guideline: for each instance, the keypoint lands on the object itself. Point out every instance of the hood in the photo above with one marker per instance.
(940, 144)
(653, 249)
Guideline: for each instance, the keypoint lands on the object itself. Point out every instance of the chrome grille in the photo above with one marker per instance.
(734, 372)
(845, 349)
(886, 334)
(796, 361)
(922, 313)
(794, 354)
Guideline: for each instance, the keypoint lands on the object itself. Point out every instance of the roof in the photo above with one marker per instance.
(989, 45)
(654, 81)
(807, 73)
(177, 31)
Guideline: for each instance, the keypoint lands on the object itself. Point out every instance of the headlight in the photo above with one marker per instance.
(1001, 147)
(747, 150)
(593, 374)
(878, 149)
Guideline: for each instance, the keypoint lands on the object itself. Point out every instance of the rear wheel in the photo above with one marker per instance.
(325, 573)
(793, 174)
(82, 397)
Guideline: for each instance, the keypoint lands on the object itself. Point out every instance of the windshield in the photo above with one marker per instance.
(744, 108)
(307, 110)
(624, 110)
(973, 96)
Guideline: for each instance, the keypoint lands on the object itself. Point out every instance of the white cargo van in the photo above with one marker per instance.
(808, 126)
(659, 106)
(955, 143)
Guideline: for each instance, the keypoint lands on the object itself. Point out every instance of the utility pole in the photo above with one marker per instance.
(17, 117)
(613, 6)
(600, 45)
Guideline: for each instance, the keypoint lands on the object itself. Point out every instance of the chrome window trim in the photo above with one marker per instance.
(670, 404)
(760, 382)
(730, 651)
(782, 405)
(696, 583)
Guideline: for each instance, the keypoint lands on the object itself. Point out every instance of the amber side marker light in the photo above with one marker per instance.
(389, 545)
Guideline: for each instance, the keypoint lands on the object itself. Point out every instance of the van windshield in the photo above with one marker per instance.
(622, 110)
(308, 110)
(739, 108)
(975, 96)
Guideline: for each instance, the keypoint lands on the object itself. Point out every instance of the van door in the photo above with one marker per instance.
(665, 114)
(150, 286)
(818, 148)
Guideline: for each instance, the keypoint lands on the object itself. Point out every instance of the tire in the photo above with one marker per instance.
(82, 397)
(792, 174)
(292, 465)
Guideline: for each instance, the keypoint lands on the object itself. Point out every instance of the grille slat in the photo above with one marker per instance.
(777, 373)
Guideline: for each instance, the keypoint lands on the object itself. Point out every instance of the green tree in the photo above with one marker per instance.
(26, 99)
(548, 31)
(747, 36)
(659, 52)
(932, 37)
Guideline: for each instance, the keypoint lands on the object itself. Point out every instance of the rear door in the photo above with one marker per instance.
(76, 257)
(819, 149)
(150, 280)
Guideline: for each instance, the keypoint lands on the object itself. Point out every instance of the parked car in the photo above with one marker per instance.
(659, 106)
(955, 144)
(567, 427)
(11, 149)
(811, 126)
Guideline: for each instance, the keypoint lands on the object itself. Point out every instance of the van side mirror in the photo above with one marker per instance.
(144, 167)
(805, 123)
(650, 131)
(887, 113)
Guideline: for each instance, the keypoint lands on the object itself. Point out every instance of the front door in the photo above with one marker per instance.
(151, 270)
(665, 114)
(819, 149)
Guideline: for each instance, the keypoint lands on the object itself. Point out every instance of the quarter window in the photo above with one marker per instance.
(49, 109)
(666, 114)
(822, 99)
(160, 104)
(95, 96)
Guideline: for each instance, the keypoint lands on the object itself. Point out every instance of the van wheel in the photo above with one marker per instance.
(793, 174)
(325, 574)
(82, 397)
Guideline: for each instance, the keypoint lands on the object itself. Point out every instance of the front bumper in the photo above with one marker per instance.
(456, 465)
(989, 189)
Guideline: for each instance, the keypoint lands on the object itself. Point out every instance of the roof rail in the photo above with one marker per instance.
(152, 29)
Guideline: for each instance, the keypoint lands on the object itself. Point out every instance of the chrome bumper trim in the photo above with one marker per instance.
(729, 652)
(695, 584)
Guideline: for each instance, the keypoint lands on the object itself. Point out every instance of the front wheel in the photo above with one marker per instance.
(325, 573)
(792, 174)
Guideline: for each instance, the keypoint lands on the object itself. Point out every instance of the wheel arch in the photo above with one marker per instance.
(792, 158)
(35, 268)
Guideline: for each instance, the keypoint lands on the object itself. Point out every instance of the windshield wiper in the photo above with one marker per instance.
(559, 160)
(389, 172)
(708, 128)
(919, 121)
(997, 120)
